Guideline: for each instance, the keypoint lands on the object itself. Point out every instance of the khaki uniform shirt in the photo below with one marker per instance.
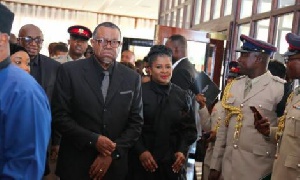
(252, 156)
(287, 165)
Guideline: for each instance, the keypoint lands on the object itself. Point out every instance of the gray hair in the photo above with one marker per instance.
(106, 24)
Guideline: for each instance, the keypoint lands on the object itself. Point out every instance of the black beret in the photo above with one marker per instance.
(294, 44)
(253, 45)
(6, 19)
(80, 32)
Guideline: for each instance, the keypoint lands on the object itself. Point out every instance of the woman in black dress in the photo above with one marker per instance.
(169, 125)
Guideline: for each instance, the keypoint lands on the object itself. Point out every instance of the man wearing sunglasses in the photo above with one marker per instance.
(97, 107)
(42, 68)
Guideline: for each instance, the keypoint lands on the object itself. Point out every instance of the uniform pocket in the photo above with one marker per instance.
(292, 162)
(292, 126)
(263, 151)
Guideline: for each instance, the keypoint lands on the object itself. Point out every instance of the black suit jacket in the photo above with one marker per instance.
(48, 68)
(80, 114)
(184, 74)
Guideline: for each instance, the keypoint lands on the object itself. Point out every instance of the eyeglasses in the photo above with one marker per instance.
(29, 39)
(112, 43)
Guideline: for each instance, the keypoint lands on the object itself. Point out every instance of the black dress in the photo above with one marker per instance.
(169, 127)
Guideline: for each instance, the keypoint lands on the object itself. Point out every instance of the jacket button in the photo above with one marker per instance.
(242, 105)
(235, 146)
(298, 165)
(105, 109)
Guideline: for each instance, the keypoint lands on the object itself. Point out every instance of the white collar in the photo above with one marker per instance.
(177, 62)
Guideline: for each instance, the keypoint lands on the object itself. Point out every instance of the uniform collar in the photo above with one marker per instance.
(69, 58)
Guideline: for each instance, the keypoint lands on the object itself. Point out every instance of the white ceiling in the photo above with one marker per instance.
(135, 8)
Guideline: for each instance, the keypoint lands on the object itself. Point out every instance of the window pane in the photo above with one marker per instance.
(174, 18)
(283, 3)
(264, 6)
(228, 7)
(207, 10)
(195, 56)
(198, 11)
(188, 16)
(243, 29)
(262, 28)
(217, 11)
(246, 9)
(284, 26)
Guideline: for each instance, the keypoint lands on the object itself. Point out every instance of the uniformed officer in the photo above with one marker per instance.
(211, 122)
(78, 42)
(287, 134)
(241, 152)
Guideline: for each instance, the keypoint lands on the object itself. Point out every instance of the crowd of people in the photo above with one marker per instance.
(136, 119)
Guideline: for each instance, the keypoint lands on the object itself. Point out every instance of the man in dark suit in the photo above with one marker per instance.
(183, 70)
(42, 68)
(184, 73)
(97, 107)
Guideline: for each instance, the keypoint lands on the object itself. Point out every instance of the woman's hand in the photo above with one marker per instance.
(148, 161)
(179, 162)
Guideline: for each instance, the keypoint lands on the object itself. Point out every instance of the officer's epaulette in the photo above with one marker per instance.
(278, 79)
(239, 77)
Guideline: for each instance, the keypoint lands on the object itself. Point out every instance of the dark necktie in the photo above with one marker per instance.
(105, 84)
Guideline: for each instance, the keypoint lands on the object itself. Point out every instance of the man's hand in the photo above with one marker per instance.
(201, 100)
(262, 125)
(214, 174)
(100, 167)
(105, 146)
(54, 152)
(212, 137)
(179, 162)
(148, 161)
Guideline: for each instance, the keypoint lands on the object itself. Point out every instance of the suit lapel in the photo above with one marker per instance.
(117, 78)
(259, 86)
(43, 70)
(89, 75)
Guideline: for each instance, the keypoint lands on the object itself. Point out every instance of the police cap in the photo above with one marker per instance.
(80, 32)
(253, 45)
(294, 44)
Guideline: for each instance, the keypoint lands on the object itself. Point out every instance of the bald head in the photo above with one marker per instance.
(128, 56)
(26, 29)
(31, 38)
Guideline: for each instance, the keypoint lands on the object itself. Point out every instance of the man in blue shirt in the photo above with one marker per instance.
(24, 115)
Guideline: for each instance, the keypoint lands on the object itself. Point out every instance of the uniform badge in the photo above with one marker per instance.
(80, 31)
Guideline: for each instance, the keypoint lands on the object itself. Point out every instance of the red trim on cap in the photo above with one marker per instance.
(80, 31)
(291, 47)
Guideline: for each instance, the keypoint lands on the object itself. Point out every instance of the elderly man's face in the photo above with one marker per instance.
(106, 44)
(31, 38)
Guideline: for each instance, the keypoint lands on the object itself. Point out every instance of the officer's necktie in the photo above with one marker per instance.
(248, 87)
(105, 84)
